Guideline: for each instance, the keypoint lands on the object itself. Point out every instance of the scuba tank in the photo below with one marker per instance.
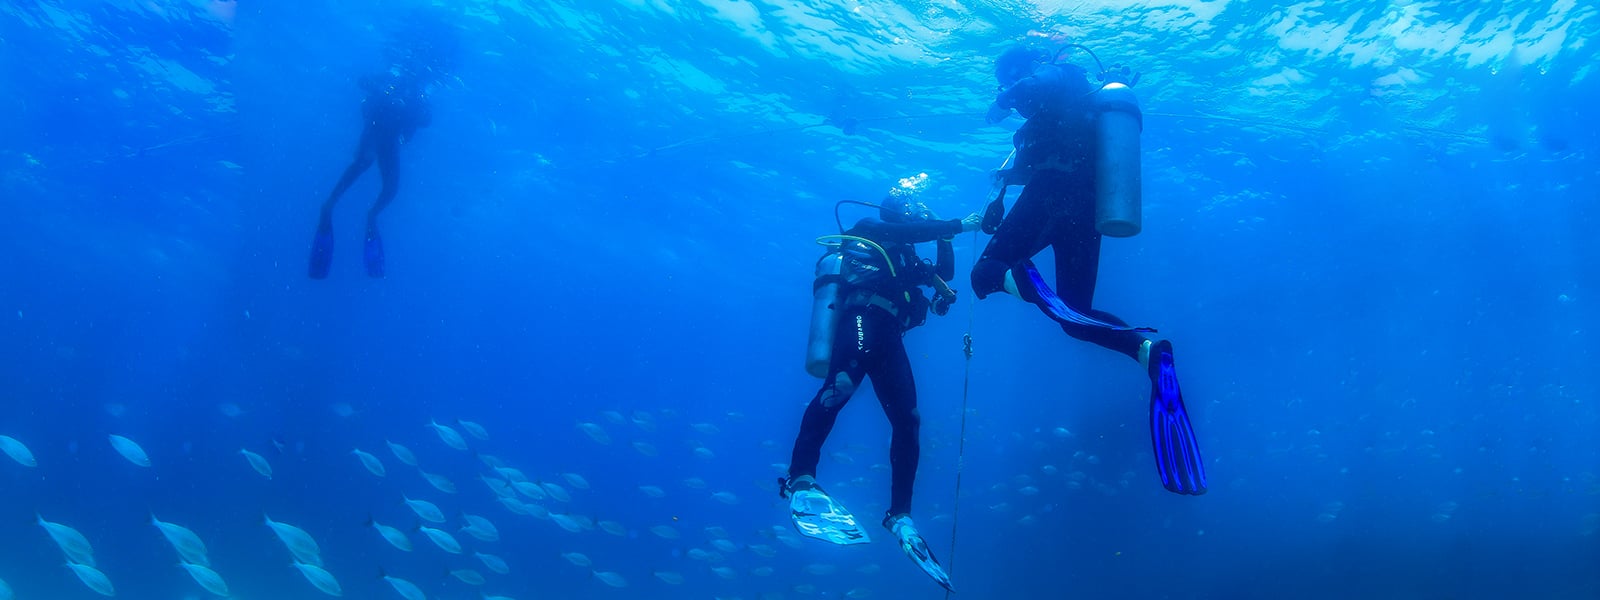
(1117, 209)
(825, 299)
(829, 288)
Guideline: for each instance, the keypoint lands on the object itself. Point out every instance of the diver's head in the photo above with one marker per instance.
(1017, 62)
(904, 204)
(904, 210)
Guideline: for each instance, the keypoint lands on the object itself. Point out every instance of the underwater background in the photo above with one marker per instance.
(1368, 229)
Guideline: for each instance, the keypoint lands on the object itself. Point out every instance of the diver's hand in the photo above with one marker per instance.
(971, 222)
(996, 114)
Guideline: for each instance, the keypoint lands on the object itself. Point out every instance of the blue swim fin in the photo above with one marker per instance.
(1177, 452)
(372, 253)
(1032, 288)
(321, 250)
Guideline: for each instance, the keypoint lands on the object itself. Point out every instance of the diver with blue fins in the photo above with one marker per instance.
(1077, 156)
(867, 295)
(395, 107)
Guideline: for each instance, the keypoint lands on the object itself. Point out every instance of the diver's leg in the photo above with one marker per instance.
(322, 240)
(389, 169)
(846, 369)
(892, 381)
(388, 153)
(366, 153)
(815, 514)
(897, 392)
(1021, 235)
(1077, 252)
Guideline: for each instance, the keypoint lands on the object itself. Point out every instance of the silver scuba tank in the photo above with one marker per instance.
(825, 290)
(1117, 206)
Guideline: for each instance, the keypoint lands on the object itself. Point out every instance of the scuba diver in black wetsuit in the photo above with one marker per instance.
(1077, 156)
(868, 296)
(394, 109)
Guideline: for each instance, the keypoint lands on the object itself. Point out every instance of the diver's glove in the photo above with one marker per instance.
(996, 114)
(993, 215)
(971, 222)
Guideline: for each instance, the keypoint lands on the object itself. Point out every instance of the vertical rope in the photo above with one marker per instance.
(966, 386)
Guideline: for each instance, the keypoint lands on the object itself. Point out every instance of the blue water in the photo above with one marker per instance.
(1367, 229)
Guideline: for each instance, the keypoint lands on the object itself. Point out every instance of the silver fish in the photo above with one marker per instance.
(395, 537)
(480, 528)
(448, 435)
(18, 452)
(72, 543)
(93, 578)
(299, 543)
(439, 482)
(319, 577)
(207, 578)
(369, 461)
(257, 462)
(442, 539)
(403, 453)
(577, 558)
(473, 429)
(188, 545)
(468, 576)
(611, 578)
(426, 510)
(493, 563)
(130, 450)
(406, 589)
(576, 480)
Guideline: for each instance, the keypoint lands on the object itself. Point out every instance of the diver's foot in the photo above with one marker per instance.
(1151, 355)
(1172, 436)
(372, 253)
(916, 548)
(788, 486)
(321, 249)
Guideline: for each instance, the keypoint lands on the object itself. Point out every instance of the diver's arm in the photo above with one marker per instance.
(999, 109)
(939, 279)
(1012, 98)
(945, 265)
(906, 233)
(1046, 85)
(996, 113)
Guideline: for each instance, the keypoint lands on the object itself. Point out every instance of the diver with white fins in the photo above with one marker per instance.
(867, 294)
(1077, 156)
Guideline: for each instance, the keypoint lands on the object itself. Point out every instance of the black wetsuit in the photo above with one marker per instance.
(392, 113)
(1055, 151)
(868, 344)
